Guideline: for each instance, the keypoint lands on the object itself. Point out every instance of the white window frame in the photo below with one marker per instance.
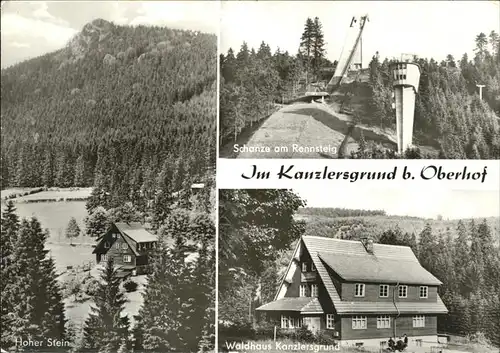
(362, 291)
(104, 257)
(117, 245)
(425, 290)
(383, 321)
(303, 290)
(383, 288)
(359, 322)
(304, 267)
(290, 322)
(419, 321)
(127, 257)
(405, 291)
(124, 246)
(284, 321)
(330, 321)
(314, 290)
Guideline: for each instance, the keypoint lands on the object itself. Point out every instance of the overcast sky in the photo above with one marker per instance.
(428, 28)
(452, 204)
(29, 29)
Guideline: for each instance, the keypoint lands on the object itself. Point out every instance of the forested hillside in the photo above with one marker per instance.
(450, 118)
(463, 254)
(448, 112)
(111, 109)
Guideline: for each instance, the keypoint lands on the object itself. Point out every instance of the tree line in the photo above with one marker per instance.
(448, 112)
(177, 314)
(75, 117)
(259, 226)
(253, 79)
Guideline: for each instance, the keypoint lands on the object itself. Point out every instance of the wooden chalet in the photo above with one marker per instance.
(359, 292)
(129, 245)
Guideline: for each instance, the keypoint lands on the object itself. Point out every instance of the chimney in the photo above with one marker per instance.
(368, 244)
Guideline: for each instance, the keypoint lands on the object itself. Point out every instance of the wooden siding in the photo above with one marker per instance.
(372, 293)
(116, 248)
(402, 325)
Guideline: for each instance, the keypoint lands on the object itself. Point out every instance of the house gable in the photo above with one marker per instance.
(113, 238)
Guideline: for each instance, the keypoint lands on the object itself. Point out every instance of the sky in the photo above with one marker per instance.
(30, 29)
(415, 202)
(428, 28)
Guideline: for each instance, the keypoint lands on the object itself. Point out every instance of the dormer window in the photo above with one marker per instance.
(359, 290)
(304, 267)
(424, 292)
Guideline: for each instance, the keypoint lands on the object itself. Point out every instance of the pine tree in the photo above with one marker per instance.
(306, 44)
(32, 305)
(72, 230)
(318, 45)
(79, 172)
(105, 329)
(96, 223)
(162, 315)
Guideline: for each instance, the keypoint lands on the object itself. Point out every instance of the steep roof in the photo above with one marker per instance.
(136, 232)
(356, 254)
(300, 304)
(351, 261)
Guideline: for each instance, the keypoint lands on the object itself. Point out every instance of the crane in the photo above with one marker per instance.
(346, 58)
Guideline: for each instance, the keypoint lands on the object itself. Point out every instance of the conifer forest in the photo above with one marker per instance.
(129, 111)
(449, 116)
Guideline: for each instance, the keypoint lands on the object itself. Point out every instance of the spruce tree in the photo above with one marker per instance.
(318, 45)
(106, 329)
(32, 306)
(72, 230)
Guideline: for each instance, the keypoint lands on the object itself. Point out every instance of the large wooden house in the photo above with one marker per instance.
(359, 292)
(128, 244)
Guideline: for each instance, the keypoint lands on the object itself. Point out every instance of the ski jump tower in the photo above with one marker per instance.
(352, 48)
(405, 77)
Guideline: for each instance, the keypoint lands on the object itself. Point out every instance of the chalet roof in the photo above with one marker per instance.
(350, 260)
(136, 232)
(373, 268)
(299, 304)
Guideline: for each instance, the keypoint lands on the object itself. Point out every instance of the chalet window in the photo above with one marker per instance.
(127, 258)
(304, 267)
(290, 322)
(104, 257)
(384, 321)
(106, 245)
(284, 321)
(314, 290)
(303, 290)
(117, 245)
(359, 322)
(424, 292)
(330, 321)
(383, 291)
(124, 246)
(313, 268)
(359, 290)
(419, 321)
(403, 291)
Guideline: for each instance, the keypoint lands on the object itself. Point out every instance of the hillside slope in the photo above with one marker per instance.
(114, 106)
